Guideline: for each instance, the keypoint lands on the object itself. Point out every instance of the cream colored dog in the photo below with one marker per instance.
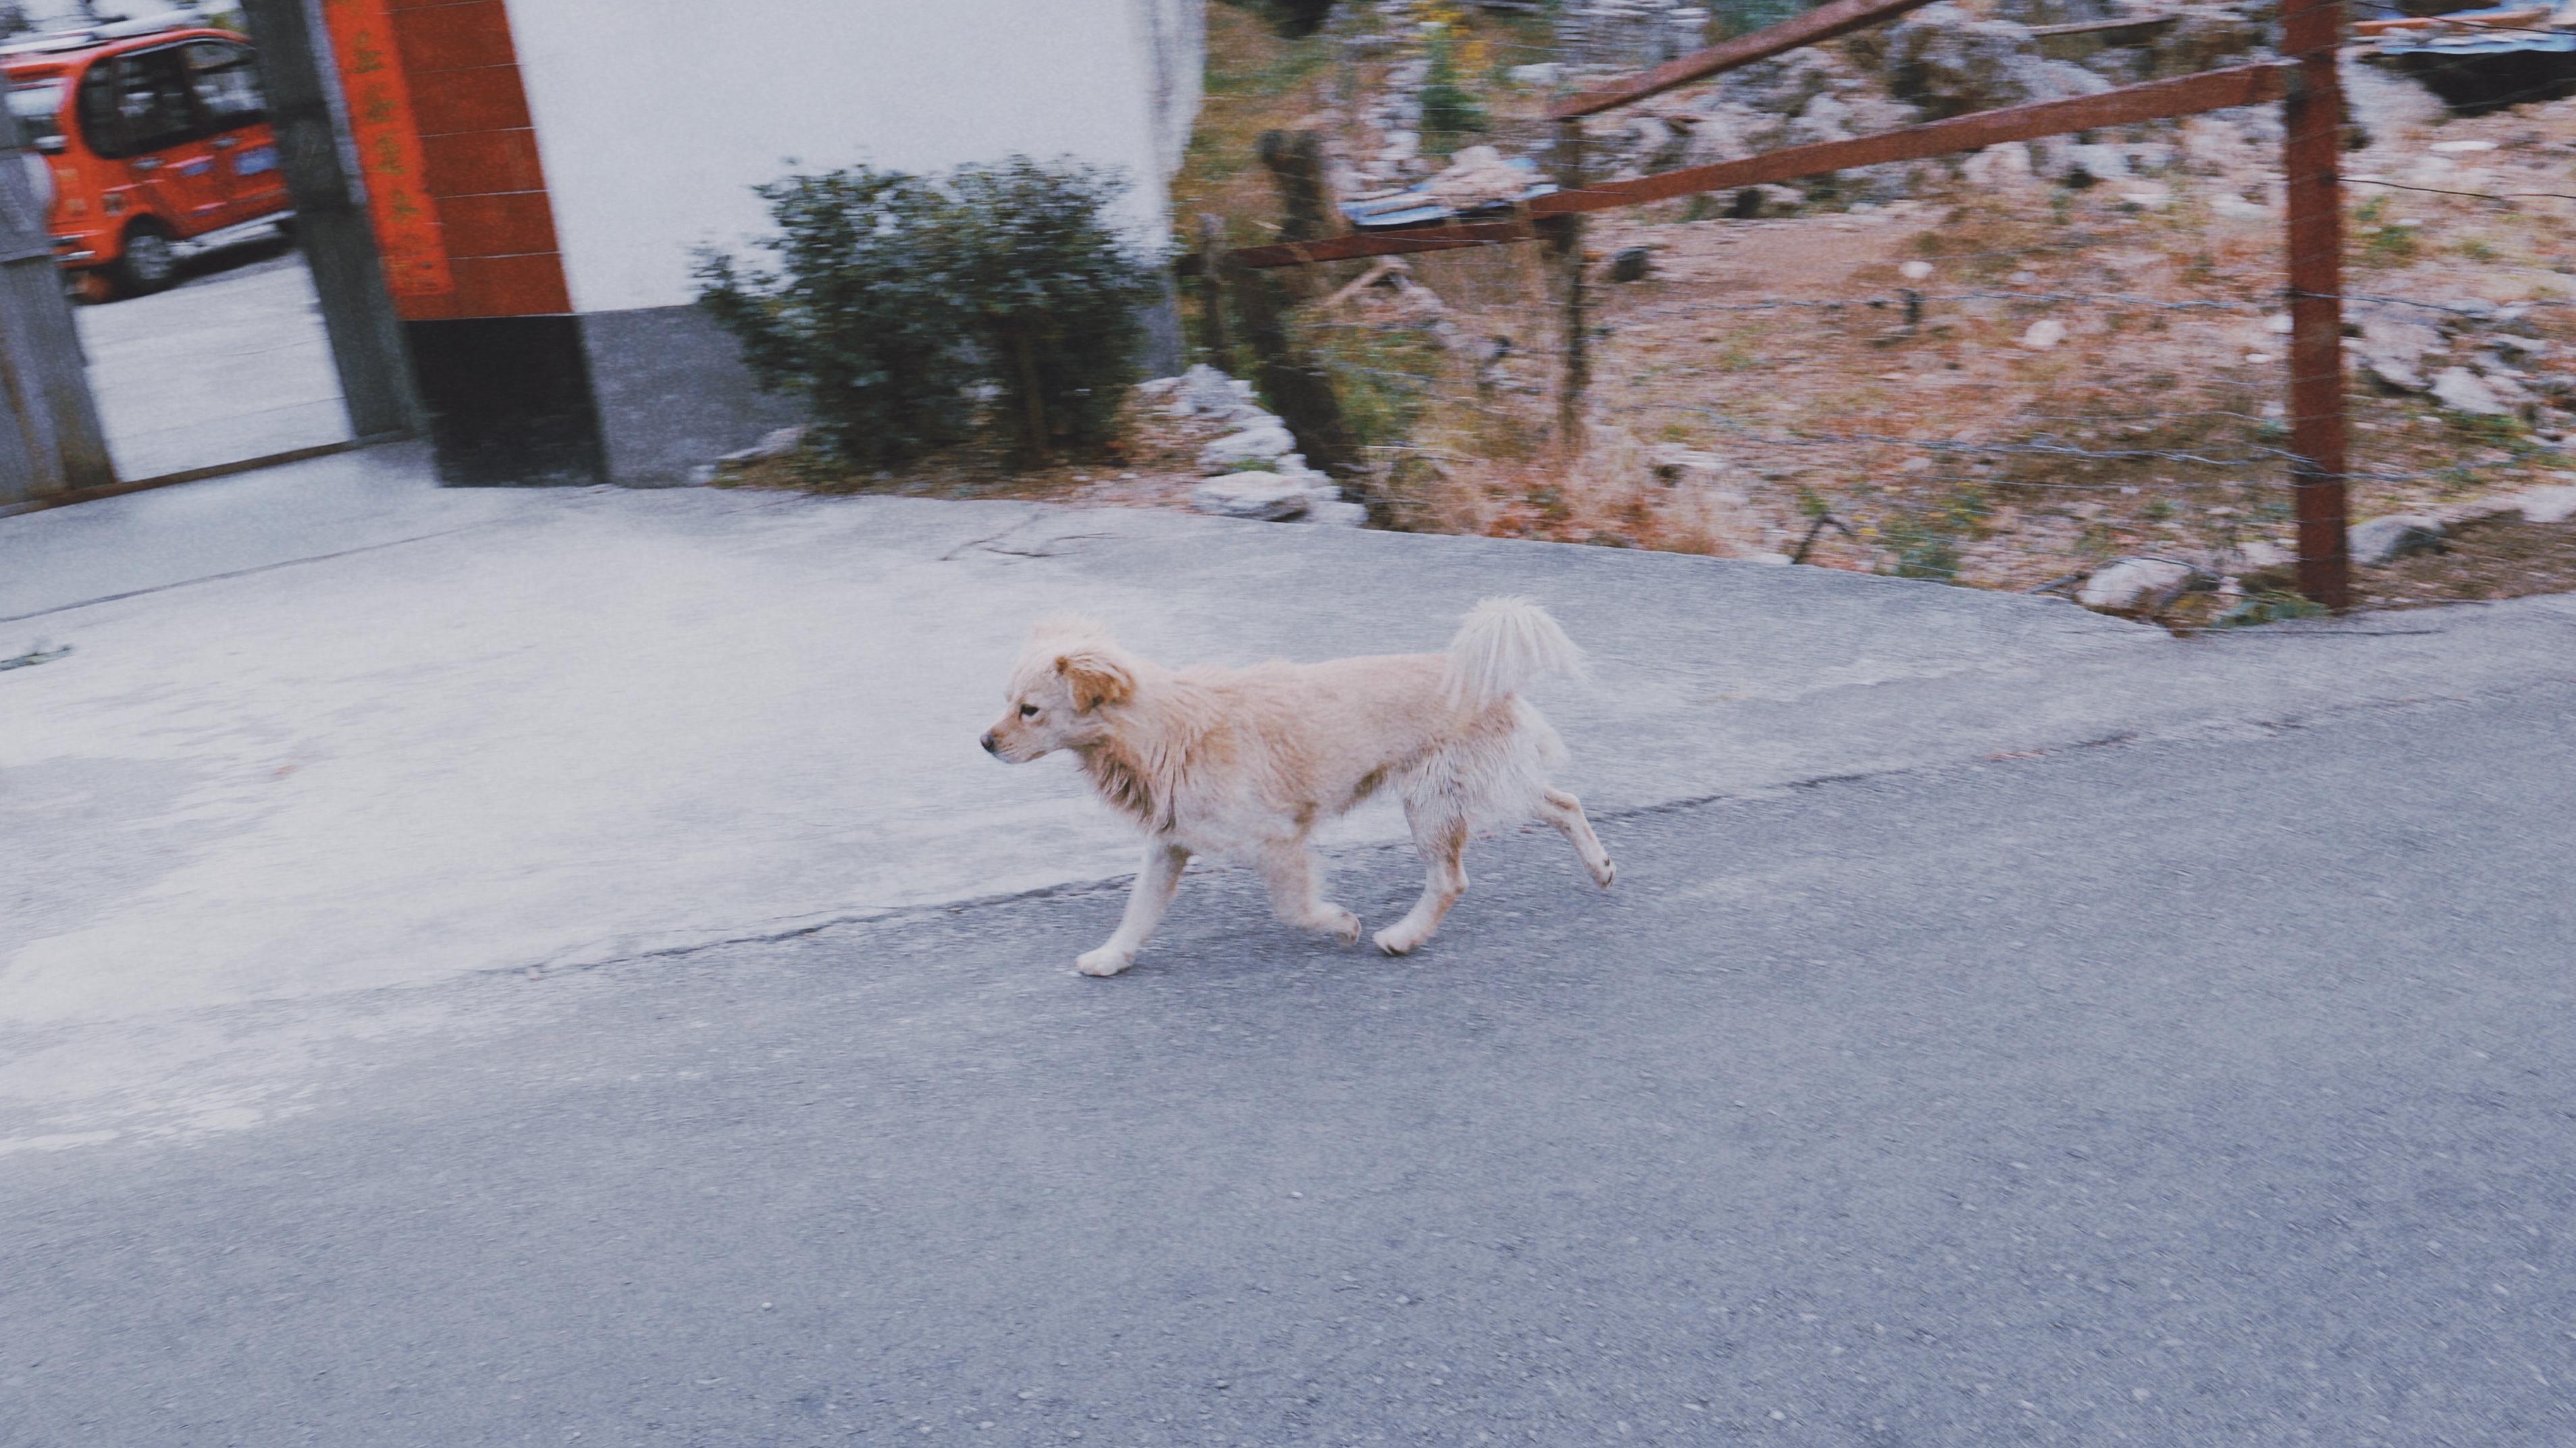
(1244, 763)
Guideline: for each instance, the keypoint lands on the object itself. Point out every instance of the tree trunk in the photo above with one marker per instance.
(1033, 420)
(1212, 293)
(1295, 160)
(1295, 385)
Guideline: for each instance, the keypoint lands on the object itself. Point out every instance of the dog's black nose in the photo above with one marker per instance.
(989, 746)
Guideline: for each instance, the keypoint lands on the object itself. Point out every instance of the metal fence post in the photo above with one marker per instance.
(2312, 117)
(1573, 171)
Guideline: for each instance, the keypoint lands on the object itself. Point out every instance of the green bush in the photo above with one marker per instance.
(1292, 19)
(859, 318)
(1447, 108)
(1743, 17)
(1052, 295)
(896, 296)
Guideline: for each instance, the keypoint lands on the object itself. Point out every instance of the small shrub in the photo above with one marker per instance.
(1051, 293)
(1926, 543)
(896, 295)
(858, 318)
(2268, 607)
(1447, 108)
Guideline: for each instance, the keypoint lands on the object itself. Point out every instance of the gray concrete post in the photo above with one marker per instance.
(50, 439)
(331, 222)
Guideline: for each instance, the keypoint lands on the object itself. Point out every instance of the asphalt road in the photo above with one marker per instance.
(2202, 1092)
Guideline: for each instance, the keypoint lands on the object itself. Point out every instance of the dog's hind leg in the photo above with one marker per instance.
(1566, 813)
(1442, 839)
(1155, 885)
(1295, 892)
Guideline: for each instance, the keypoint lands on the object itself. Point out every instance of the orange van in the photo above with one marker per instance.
(155, 142)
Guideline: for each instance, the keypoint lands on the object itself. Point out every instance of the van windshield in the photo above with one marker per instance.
(38, 106)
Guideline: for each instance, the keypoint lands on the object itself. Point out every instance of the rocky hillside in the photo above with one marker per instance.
(2006, 369)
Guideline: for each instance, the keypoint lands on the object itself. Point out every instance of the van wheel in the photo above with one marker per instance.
(150, 263)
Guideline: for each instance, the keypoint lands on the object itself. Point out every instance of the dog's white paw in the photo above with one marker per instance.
(1396, 942)
(1345, 928)
(1604, 873)
(1103, 961)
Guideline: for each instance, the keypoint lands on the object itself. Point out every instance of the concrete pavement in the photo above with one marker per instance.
(2205, 1090)
(335, 730)
(228, 366)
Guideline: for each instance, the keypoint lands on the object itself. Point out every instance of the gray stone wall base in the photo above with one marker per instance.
(673, 393)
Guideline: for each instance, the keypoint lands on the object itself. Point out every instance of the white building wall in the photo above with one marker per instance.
(655, 118)
(1174, 36)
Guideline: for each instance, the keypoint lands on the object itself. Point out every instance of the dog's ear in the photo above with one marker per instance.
(1097, 678)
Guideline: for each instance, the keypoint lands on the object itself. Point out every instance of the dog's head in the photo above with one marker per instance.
(1068, 675)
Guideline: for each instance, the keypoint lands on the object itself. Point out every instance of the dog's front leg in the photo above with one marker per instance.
(1155, 885)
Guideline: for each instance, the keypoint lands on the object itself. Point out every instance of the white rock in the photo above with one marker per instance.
(1915, 271)
(2393, 348)
(2501, 381)
(1156, 386)
(1203, 389)
(1261, 442)
(1254, 495)
(2135, 586)
(2547, 504)
(2462, 390)
(1337, 514)
(1477, 175)
(2045, 333)
(1542, 74)
(2385, 540)
(2260, 556)
(2102, 163)
(779, 443)
(1673, 463)
(1998, 166)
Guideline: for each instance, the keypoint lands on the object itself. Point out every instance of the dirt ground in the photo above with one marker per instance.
(2488, 558)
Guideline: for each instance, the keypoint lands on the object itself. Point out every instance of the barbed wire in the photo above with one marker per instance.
(2498, 196)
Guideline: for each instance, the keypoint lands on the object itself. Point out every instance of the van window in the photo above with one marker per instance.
(38, 106)
(99, 125)
(135, 103)
(227, 86)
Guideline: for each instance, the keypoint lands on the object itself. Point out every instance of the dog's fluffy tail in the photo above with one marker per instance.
(1505, 645)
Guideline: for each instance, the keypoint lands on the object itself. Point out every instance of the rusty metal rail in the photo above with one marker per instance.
(2212, 90)
(1841, 17)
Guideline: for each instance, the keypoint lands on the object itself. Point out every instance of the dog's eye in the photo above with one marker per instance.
(1028, 711)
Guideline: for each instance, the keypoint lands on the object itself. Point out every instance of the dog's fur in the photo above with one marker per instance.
(1244, 763)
